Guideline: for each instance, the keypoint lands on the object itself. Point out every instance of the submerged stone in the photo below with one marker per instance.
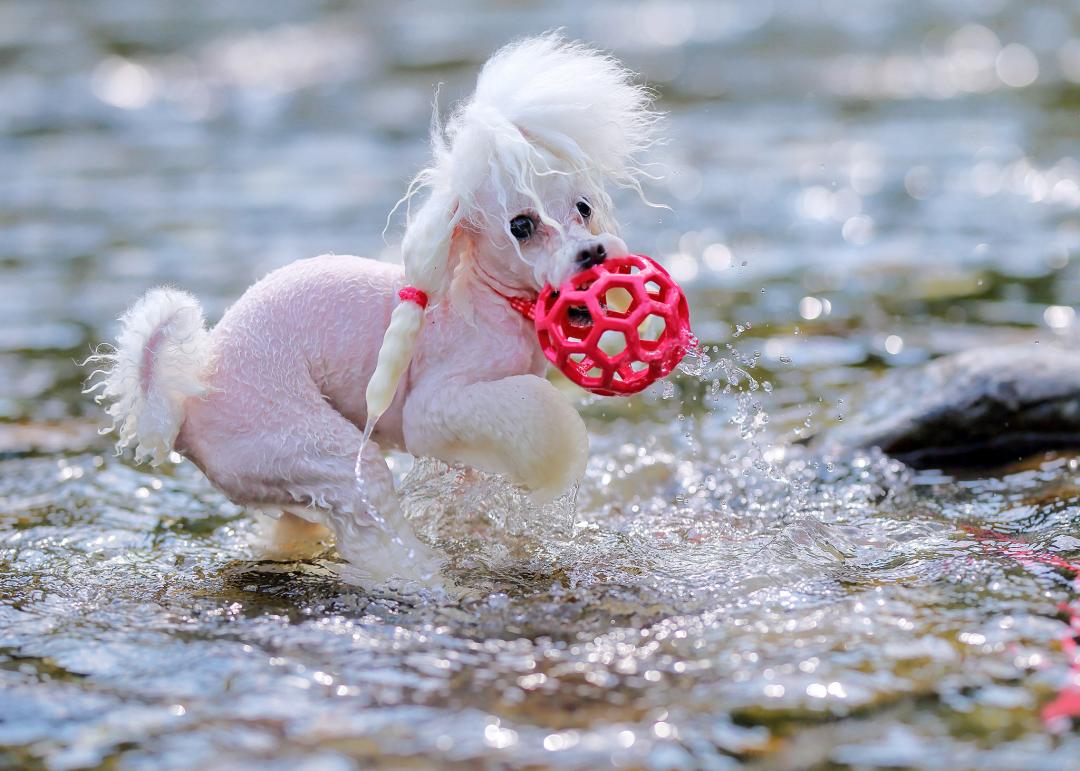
(979, 408)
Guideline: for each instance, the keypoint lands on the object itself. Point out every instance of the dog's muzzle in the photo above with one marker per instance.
(591, 255)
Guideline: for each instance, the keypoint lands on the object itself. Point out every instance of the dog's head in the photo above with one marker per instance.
(518, 183)
(517, 191)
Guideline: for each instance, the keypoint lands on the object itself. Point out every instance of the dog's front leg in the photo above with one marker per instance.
(519, 426)
(389, 547)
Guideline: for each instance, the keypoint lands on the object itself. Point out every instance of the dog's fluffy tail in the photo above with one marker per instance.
(159, 362)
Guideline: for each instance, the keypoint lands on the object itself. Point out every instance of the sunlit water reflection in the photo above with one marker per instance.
(689, 611)
(851, 189)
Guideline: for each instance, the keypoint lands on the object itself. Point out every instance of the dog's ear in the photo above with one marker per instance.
(425, 247)
(425, 250)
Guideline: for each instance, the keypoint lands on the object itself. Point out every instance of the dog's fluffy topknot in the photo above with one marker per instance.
(547, 105)
(581, 104)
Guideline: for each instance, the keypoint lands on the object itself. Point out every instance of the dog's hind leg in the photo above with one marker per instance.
(307, 466)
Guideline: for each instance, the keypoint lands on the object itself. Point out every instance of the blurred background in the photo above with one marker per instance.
(859, 183)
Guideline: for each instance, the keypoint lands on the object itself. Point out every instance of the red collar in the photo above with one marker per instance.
(524, 306)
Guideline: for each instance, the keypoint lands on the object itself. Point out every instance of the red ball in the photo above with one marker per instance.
(617, 327)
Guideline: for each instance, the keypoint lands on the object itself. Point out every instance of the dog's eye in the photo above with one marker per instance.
(521, 227)
(584, 209)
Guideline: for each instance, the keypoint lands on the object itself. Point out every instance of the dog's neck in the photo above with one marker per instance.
(522, 300)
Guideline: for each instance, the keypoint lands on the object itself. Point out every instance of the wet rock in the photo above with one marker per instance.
(980, 408)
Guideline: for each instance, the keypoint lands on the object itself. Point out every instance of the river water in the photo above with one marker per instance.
(853, 188)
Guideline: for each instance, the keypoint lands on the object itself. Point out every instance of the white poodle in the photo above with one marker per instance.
(273, 402)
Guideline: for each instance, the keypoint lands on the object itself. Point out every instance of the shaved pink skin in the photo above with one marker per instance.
(149, 353)
(289, 364)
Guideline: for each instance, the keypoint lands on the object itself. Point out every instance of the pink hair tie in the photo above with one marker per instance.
(411, 294)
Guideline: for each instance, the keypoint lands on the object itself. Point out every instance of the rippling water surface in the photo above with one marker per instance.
(852, 189)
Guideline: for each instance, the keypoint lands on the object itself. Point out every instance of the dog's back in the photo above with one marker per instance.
(307, 332)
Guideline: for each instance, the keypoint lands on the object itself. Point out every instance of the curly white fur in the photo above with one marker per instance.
(158, 364)
(547, 106)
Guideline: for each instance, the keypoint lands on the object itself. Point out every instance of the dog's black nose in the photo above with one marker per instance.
(591, 255)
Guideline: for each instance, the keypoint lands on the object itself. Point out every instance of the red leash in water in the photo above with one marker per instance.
(1066, 706)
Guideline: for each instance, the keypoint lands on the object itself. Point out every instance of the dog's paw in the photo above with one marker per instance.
(378, 555)
(555, 459)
